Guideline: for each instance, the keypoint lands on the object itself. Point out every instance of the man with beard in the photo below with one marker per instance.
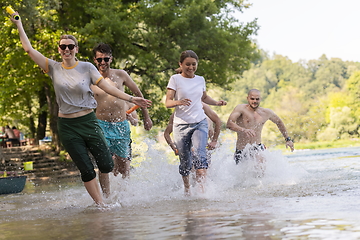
(248, 121)
(111, 112)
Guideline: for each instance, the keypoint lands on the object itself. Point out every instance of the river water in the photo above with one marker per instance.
(303, 195)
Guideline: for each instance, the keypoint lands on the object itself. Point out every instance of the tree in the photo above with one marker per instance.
(352, 90)
(152, 35)
(147, 38)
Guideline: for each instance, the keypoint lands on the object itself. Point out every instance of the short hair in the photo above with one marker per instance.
(253, 90)
(69, 37)
(103, 48)
(188, 53)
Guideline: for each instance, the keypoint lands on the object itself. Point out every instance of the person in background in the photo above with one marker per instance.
(3, 137)
(133, 118)
(248, 120)
(78, 128)
(16, 132)
(111, 113)
(186, 92)
(10, 136)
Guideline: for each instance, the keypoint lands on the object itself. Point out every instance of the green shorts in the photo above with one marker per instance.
(82, 135)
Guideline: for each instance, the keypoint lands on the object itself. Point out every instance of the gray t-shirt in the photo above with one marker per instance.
(72, 85)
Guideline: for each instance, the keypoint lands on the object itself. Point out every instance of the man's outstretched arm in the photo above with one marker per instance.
(280, 124)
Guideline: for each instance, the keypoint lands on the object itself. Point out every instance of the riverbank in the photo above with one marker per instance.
(323, 145)
(44, 164)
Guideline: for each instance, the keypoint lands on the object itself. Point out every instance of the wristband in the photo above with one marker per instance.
(130, 99)
(288, 139)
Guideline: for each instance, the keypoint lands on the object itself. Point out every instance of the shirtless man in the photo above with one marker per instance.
(111, 112)
(248, 121)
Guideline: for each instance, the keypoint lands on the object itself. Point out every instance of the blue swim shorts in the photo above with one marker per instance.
(117, 135)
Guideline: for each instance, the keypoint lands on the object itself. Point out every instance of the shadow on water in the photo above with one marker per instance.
(299, 196)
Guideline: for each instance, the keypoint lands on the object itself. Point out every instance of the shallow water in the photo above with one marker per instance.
(303, 195)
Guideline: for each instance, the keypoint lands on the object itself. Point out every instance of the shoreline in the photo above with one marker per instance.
(322, 145)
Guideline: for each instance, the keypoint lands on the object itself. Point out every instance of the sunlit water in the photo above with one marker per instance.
(304, 195)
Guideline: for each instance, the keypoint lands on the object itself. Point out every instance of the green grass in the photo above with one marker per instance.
(324, 145)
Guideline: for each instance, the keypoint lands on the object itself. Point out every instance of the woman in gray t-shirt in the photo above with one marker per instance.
(78, 128)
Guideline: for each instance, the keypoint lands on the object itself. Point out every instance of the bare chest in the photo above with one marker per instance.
(101, 94)
(252, 119)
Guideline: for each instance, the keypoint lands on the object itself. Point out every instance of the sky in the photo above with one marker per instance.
(307, 29)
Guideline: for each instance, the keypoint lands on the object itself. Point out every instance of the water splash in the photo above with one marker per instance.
(158, 178)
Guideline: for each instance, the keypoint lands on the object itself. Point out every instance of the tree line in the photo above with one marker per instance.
(317, 99)
(147, 38)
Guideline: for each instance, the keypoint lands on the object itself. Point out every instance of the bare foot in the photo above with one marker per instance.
(187, 192)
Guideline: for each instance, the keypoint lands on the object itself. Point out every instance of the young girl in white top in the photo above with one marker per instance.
(186, 92)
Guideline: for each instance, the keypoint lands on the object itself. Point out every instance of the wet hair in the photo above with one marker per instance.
(188, 53)
(103, 48)
(69, 37)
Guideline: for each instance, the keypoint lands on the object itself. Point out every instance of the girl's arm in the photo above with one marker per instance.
(209, 100)
(167, 132)
(170, 102)
(104, 85)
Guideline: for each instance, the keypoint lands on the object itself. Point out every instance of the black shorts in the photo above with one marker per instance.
(240, 155)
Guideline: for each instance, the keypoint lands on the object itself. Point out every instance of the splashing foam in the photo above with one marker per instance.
(157, 179)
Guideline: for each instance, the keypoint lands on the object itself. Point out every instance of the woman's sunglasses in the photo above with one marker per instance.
(70, 46)
(99, 60)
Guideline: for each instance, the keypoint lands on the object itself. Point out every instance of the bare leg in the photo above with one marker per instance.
(122, 165)
(193, 176)
(126, 172)
(94, 190)
(260, 167)
(200, 178)
(105, 183)
(186, 181)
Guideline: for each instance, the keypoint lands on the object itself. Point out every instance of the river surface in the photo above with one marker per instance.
(311, 194)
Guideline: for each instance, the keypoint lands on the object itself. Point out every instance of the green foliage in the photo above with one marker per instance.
(315, 99)
(147, 38)
(324, 144)
(318, 99)
(352, 90)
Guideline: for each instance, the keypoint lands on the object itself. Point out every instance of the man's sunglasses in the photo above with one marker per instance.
(99, 60)
(70, 46)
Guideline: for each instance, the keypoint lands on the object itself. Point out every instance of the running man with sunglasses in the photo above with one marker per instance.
(111, 112)
(78, 128)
